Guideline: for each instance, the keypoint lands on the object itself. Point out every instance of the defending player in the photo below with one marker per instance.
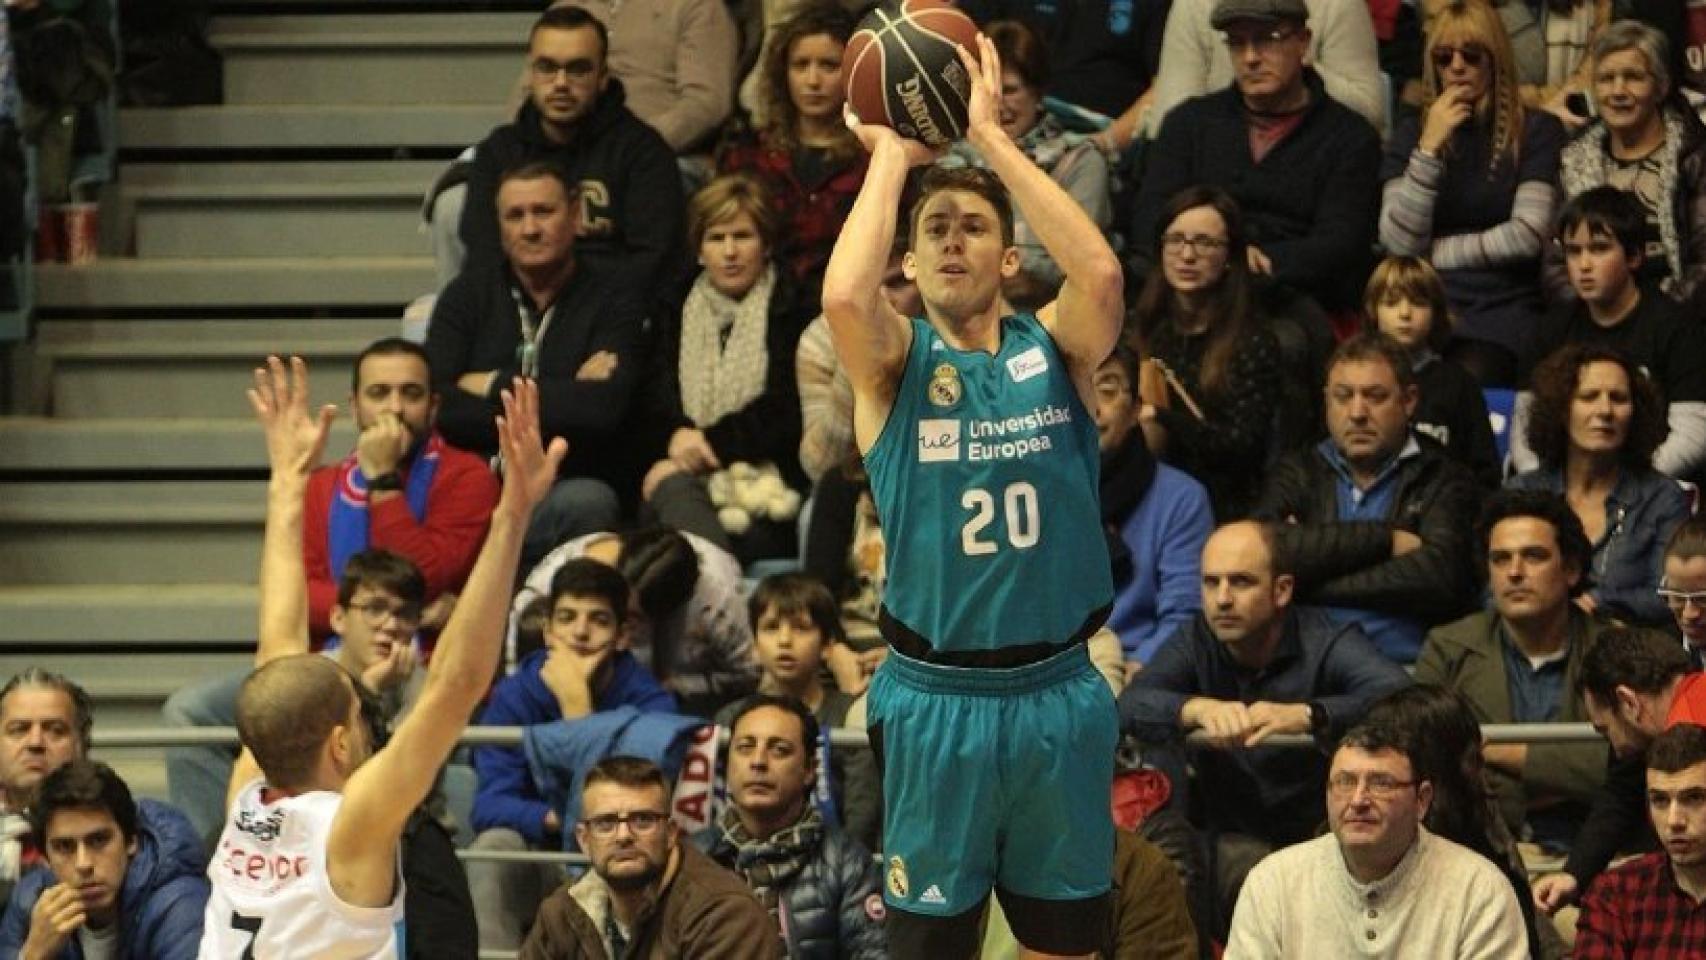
(996, 734)
(307, 865)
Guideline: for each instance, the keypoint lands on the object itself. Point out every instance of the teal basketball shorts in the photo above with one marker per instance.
(996, 778)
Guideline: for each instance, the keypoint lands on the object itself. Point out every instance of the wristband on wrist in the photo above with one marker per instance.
(385, 481)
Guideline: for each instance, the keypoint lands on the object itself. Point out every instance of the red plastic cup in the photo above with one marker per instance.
(82, 233)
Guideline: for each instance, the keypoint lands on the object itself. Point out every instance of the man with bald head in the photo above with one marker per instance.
(308, 861)
(1251, 665)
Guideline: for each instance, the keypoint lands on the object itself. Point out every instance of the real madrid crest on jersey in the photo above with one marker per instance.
(898, 886)
(945, 387)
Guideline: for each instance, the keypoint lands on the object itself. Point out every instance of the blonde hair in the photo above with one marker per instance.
(1475, 21)
(725, 198)
(1417, 281)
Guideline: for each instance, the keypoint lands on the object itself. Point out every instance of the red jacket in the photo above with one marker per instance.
(459, 508)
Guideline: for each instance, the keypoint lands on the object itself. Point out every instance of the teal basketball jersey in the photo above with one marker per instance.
(985, 481)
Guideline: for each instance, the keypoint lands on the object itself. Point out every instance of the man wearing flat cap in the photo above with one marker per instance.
(1303, 167)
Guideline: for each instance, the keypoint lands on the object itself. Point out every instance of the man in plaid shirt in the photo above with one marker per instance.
(1652, 906)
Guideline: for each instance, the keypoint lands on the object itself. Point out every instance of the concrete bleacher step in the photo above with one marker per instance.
(471, 58)
(119, 282)
(188, 368)
(298, 126)
(136, 532)
(356, 219)
(136, 615)
(137, 447)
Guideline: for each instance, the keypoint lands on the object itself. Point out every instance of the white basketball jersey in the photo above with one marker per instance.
(272, 898)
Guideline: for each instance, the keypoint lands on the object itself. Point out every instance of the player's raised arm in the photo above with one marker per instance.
(871, 339)
(1085, 319)
(381, 794)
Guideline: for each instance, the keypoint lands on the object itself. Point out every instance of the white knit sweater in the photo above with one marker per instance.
(1442, 902)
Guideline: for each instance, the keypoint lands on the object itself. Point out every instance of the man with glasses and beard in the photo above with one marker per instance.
(647, 894)
(584, 667)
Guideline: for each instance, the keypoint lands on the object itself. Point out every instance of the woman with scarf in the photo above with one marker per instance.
(726, 410)
(802, 152)
(1469, 187)
(1647, 142)
(1072, 159)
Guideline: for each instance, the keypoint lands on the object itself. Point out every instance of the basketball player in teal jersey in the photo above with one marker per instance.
(996, 734)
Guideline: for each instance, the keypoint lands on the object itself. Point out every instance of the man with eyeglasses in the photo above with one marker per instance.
(585, 666)
(1379, 880)
(648, 894)
(577, 117)
(1683, 587)
(1303, 166)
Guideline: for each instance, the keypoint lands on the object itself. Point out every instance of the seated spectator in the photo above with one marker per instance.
(1470, 187)
(1683, 588)
(1247, 667)
(724, 394)
(1196, 319)
(1647, 140)
(376, 614)
(1406, 301)
(1071, 158)
(1380, 879)
(1157, 520)
(1340, 43)
(577, 117)
(44, 724)
(677, 61)
(1599, 233)
(819, 884)
(1376, 518)
(1635, 685)
(1595, 423)
(648, 893)
(1567, 31)
(124, 880)
(584, 667)
(1443, 739)
(1301, 164)
(1518, 662)
(546, 313)
(1104, 55)
(808, 161)
(1649, 907)
(687, 616)
(796, 628)
(1686, 62)
(401, 489)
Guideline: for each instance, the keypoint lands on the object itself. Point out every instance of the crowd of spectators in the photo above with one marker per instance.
(1353, 229)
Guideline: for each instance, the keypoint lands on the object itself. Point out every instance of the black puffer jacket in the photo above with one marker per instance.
(1350, 564)
(834, 907)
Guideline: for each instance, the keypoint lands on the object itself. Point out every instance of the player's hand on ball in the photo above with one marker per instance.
(983, 103)
(874, 136)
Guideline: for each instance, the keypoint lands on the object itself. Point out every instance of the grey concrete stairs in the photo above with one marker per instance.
(286, 220)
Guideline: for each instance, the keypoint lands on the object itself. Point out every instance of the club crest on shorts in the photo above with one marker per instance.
(897, 878)
(945, 388)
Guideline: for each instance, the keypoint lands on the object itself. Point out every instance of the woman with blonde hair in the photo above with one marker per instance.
(725, 409)
(1470, 187)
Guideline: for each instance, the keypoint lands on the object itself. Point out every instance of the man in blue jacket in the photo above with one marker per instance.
(584, 667)
(125, 880)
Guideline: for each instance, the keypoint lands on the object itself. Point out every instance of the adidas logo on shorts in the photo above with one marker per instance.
(932, 894)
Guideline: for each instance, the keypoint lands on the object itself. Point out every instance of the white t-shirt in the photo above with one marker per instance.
(272, 898)
(98, 944)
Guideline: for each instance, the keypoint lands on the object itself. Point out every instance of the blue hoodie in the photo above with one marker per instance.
(507, 795)
(160, 907)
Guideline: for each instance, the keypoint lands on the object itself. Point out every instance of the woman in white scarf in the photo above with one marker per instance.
(727, 406)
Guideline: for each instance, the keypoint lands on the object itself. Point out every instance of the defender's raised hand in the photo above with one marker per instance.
(295, 438)
(530, 468)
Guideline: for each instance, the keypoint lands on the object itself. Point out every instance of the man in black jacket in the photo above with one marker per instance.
(819, 884)
(1376, 519)
(576, 118)
(575, 327)
(1303, 167)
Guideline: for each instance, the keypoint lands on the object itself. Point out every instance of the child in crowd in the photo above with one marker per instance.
(795, 622)
(1406, 301)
